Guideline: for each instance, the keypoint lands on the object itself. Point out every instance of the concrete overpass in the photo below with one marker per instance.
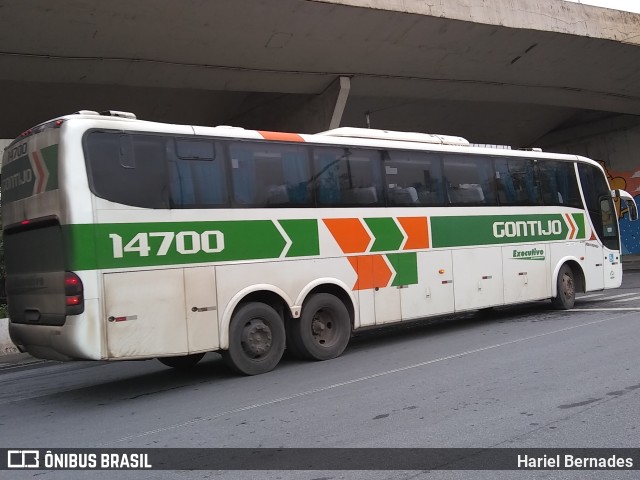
(549, 73)
(500, 71)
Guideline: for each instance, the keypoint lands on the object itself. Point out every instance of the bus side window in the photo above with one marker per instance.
(558, 183)
(469, 180)
(274, 175)
(347, 176)
(516, 181)
(413, 179)
(196, 173)
(597, 197)
(129, 169)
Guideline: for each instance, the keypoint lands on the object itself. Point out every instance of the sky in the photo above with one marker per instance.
(626, 5)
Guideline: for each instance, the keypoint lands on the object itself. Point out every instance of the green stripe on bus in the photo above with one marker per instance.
(304, 237)
(125, 245)
(498, 229)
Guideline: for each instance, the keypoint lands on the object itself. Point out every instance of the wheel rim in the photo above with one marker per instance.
(256, 339)
(324, 328)
(568, 290)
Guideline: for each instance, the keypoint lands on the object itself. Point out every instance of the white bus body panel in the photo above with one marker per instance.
(612, 268)
(387, 304)
(478, 278)
(594, 265)
(151, 312)
(526, 277)
(202, 308)
(145, 312)
(434, 294)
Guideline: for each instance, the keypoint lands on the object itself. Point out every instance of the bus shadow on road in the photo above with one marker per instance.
(465, 321)
(132, 380)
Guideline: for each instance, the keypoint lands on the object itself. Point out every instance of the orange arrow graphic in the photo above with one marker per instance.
(572, 225)
(349, 233)
(417, 230)
(372, 270)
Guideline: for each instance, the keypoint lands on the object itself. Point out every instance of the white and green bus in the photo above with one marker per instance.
(126, 239)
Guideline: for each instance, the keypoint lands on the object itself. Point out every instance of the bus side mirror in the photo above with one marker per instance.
(631, 203)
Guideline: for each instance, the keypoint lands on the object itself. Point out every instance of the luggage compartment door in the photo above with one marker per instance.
(145, 313)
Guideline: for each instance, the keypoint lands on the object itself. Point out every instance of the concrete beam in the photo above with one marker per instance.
(586, 131)
(343, 89)
(543, 15)
(324, 111)
(300, 113)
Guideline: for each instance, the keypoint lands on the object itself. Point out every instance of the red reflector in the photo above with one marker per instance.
(24, 222)
(74, 300)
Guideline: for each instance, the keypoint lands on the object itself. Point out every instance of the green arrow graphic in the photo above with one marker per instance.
(303, 235)
(387, 234)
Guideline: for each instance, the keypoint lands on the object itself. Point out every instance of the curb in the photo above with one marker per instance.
(6, 345)
(630, 262)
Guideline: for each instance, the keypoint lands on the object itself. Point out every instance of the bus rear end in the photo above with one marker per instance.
(45, 299)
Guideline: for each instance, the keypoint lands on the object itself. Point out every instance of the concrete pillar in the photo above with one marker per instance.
(301, 113)
(4, 143)
(321, 112)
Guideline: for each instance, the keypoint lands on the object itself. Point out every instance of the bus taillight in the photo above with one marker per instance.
(74, 294)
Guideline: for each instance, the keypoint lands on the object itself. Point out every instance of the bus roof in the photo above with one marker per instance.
(357, 137)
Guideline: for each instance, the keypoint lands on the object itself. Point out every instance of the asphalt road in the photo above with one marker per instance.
(525, 376)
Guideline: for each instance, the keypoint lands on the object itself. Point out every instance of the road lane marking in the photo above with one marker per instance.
(353, 381)
(627, 299)
(620, 296)
(591, 295)
(612, 309)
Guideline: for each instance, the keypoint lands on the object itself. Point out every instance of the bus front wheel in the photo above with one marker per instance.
(256, 339)
(323, 330)
(566, 296)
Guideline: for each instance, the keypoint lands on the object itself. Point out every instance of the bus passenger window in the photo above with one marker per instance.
(413, 179)
(469, 180)
(274, 175)
(558, 183)
(127, 168)
(516, 181)
(196, 174)
(347, 176)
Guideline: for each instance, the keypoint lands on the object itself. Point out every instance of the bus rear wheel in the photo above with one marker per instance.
(323, 330)
(566, 296)
(256, 339)
(181, 362)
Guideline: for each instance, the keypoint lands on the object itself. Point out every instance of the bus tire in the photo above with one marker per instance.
(256, 339)
(181, 362)
(323, 330)
(566, 286)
